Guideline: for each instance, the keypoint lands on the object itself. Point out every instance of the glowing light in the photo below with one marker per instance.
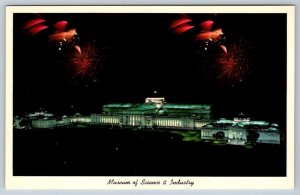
(77, 48)
(85, 63)
(223, 47)
(206, 34)
(36, 29)
(206, 25)
(65, 36)
(180, 25)
(61, 37)
(183, 28)
(234, 65)
(211, 35)
(180, 21)
(33, 22)
(61, 25)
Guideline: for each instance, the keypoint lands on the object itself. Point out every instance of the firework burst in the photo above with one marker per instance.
(58, 33)
(84, 64)
(234, 65)
(205, 34)
(227, 66)
(35, 26)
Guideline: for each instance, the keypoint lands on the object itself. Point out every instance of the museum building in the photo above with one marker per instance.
(155, 113)
(239, 131)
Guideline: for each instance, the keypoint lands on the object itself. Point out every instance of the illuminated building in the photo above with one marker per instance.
(44, 123)
(154, 113)
(42, 120)
(239, 131)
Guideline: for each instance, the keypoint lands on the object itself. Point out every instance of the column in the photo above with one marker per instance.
(133, 120)
(130, 120)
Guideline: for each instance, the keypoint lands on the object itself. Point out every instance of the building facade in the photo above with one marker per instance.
(240, 131)
(154, 113)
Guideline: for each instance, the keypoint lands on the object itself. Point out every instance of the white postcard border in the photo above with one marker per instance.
(18, 182)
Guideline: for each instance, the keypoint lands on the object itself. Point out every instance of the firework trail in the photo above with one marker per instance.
(60, 25)
(34, 26)
(33, 22)
(220, 61)
(224, 49)
(209, 36)
(183, 20)
(66, 36)
(78, 49)
(59, 34)
(207, 25)
(36, 29)
(205, 34)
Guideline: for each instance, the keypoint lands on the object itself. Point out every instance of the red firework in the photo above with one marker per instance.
(61, 25)
(35, 26)
(63, 36)
(85, 63)
(223, 47)
(183, 28)
(210, 35)
(33, 22)
(181, 25)
(180, 21)
(206, 25)
(36, 29)
(59, 34)
(205, 34)
(233, 65)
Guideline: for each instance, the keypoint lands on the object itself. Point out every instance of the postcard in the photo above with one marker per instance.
(150, 97)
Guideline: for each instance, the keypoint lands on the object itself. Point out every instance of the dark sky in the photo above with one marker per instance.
(138, 54)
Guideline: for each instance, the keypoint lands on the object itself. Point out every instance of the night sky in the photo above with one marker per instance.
(139, 53)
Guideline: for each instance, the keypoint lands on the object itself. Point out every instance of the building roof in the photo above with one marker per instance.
(186, 106)
(156, 108)
(118, 105)
(258, 123)
(224, 121)
(145, 106)
(153, 106)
